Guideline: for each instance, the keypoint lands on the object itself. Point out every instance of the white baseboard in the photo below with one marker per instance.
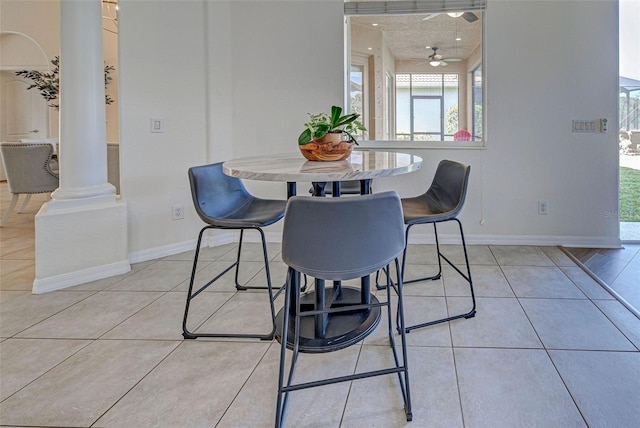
(414, 238)
(226, 237)
(65, 280)
(162, 251)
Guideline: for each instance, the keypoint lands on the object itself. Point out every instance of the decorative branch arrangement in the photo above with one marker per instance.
(48, 83)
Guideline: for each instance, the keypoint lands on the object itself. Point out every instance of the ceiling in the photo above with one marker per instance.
(408, 35)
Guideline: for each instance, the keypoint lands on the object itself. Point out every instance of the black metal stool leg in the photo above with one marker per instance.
(404, 258)
(282, 396)
(467, 277)
(191, 295)
(185, 332)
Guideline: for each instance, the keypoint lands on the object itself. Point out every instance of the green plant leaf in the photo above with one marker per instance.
(346, 119)
(321, 130)
(335, 116)
(305, 137)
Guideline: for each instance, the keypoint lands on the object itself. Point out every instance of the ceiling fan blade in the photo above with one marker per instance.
(443, 64)
(470, 16)
(452, 59)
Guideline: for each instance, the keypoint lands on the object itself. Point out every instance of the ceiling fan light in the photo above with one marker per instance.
(434, 63)
(455, 14)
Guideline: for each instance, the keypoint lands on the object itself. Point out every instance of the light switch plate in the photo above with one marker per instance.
(157, 125)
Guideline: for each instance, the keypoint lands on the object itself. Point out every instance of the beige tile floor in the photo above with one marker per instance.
(548, 348)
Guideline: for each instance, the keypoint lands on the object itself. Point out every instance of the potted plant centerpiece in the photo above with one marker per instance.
(330, 137)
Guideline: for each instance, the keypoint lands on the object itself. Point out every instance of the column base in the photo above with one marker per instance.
(80, 243)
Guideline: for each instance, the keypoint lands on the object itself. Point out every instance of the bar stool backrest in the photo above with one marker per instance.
(215, 194)
(449, 188)
(342, 238)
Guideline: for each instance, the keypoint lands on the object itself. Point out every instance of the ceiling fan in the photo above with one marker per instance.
(467, 16)
(437, 60)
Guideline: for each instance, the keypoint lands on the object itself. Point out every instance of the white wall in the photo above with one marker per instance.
(163, 74)
(244, 78)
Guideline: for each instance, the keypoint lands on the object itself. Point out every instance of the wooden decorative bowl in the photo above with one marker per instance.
(333, 148)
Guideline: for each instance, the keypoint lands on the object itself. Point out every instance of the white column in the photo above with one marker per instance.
(81, 234)
(83, 149)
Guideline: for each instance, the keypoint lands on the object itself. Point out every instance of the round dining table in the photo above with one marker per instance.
(319, 333)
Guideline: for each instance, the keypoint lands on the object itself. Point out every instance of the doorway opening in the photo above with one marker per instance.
(629, 123)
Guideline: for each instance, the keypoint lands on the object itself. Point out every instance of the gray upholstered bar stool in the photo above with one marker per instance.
(28, 168)
(336, 239)
(223, 202)
(442, 202)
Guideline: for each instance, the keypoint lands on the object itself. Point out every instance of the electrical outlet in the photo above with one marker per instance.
(542, 207)
(177, 212)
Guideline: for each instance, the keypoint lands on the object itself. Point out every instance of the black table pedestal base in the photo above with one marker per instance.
(342, 330)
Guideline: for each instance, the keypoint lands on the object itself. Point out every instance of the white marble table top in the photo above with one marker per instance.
(292, 167)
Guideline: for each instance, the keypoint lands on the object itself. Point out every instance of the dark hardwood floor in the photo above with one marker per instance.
(618, 268)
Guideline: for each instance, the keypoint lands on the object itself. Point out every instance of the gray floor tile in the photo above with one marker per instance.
(421, 254)
(604, 385)
(586, 284)
(499, 323)
(209, 270)
(105, 283)
(520, 256)
(478, 254)
(512, 388)
(191, 388)
(24, 311)
(573, 324)
(542, 282)
(24, 360)
(92, 317)
(628, 323)
(252, 251)
(245, 312)
(313, 407)
(161, 276)
(559, 257)
(277, 270)
(421, 288)
(488, 281)
(377, 401)
(162, 319)
(627, 284)
(78, 391)
(419, 310)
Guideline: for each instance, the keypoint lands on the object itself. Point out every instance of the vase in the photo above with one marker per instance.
(331, 147)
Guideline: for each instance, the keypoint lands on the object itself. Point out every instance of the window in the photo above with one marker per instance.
(425, 69)
(426, 106)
